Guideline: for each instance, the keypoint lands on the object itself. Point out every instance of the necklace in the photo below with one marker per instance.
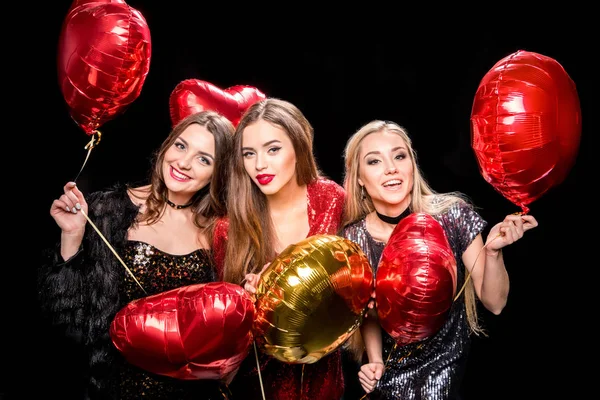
(177, 206)
(393, 220)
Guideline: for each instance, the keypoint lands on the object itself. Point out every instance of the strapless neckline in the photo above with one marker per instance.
(201, 250)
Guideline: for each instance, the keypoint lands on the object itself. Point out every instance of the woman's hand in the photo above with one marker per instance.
(65, 210)
(369, 375)
(371, 305)
(508, 231)
(251, 280)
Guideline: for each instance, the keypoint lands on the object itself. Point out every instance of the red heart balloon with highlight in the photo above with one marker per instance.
(525, 126)
(200, 331)
(194, 95)
(103, 59)
(415, 280)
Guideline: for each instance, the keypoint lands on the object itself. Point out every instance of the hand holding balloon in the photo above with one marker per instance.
(251, 280)
(64, 210)
(369, 375)
(508, 231)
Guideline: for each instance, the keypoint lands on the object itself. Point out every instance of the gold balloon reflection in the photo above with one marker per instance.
(311, 298)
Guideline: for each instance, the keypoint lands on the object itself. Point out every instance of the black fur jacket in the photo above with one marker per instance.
(80, 297)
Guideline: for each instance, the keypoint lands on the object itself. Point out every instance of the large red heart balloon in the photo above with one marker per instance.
(194, 95)
(103, 59)
(415, 280)
(200, 331)
(525, 126)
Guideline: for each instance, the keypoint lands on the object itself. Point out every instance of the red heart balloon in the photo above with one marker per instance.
(415, 280)
(200, 331)
(103, 59)
(193, 95)
(525, 126)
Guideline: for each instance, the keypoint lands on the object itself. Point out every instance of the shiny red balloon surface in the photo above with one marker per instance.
(415, 280)
(525, 126)
(200, 331)
(103, 59)
(193, 95)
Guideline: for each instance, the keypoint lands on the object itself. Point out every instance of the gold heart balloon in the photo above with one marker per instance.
(311, 298)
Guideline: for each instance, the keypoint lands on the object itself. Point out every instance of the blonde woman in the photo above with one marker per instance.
(383, 185)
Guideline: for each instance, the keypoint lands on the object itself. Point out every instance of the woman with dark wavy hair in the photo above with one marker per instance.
(162, 231)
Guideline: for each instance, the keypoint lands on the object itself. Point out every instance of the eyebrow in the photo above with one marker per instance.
(270, 142)
(379, 152)
(203, 153)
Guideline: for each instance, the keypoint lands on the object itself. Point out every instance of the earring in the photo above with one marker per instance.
(362, 192)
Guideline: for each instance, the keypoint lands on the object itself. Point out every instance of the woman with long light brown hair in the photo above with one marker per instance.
(276, 197)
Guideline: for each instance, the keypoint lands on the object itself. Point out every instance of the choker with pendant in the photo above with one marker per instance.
(393, 220)
(177, 206)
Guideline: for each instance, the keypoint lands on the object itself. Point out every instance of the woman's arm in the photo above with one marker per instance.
(486, 265)
(371, 372)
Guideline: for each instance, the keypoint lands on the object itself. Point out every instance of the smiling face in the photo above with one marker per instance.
(188, 164)
(269, 157)
(386, 171)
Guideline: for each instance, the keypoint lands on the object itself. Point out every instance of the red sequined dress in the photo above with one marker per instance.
(322, 380)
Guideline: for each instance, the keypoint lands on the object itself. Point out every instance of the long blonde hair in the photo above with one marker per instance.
(251, 235)
(423, 200)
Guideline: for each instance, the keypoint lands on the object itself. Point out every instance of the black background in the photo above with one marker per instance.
(342, 74)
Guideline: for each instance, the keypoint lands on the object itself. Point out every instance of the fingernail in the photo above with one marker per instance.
(78, 206)
(74, 210)
(67, 208)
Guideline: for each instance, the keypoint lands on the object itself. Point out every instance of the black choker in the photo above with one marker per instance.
(393, 220)
(177, 206)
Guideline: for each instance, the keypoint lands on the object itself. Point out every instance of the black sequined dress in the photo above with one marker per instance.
(435, 369)
(157, 272)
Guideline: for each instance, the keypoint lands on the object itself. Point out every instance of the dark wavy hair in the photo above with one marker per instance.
(209, 202)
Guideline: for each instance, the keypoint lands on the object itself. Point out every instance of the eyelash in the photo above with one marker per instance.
(202, 159)
(397, 157)
(272, 150)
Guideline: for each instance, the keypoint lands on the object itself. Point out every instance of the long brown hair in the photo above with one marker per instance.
(251, 234)
(423, 199)
(209, 202)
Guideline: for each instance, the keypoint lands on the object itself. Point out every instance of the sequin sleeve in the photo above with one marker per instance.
(220, 245)
(462, 224)
(326, 204)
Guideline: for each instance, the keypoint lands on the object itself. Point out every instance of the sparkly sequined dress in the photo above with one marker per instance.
(158, 272)
(322, 380)
(82, 295)
(434, 370)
